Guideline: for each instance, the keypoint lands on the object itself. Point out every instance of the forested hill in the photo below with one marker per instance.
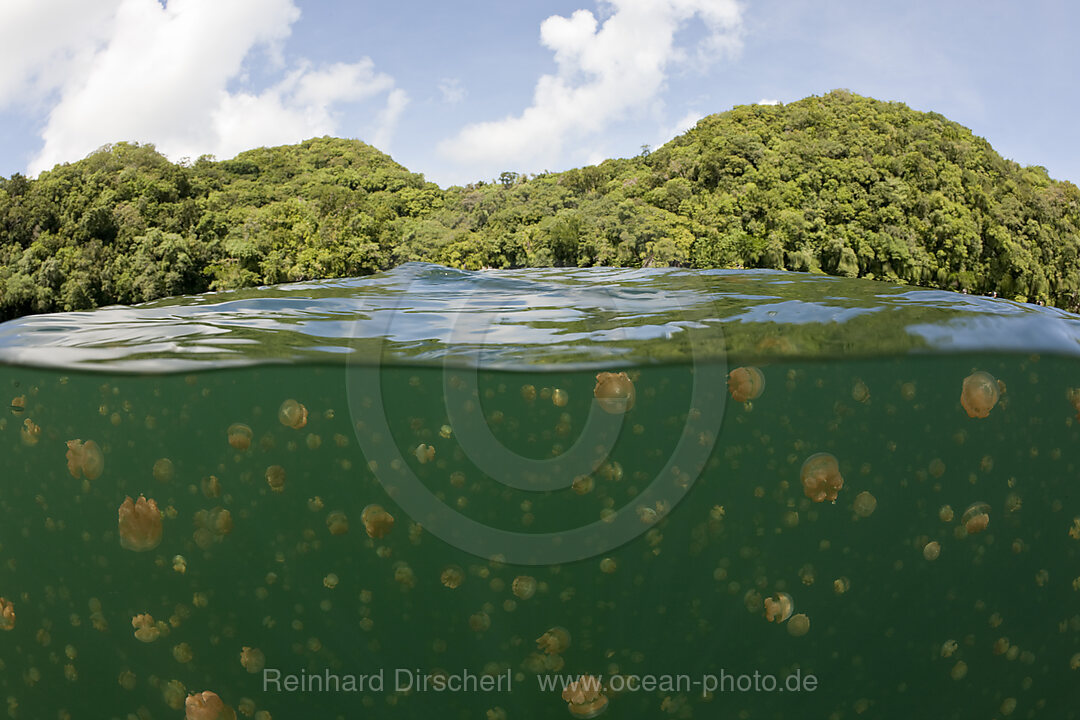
(840, 184)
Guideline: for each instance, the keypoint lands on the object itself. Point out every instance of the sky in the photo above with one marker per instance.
(462, 91)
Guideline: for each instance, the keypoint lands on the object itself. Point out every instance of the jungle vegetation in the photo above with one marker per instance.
(839, 184)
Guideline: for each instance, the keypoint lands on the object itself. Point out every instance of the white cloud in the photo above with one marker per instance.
(764, 101)
(45, 42)
(149, 73)
(452, 90)
(604, 72)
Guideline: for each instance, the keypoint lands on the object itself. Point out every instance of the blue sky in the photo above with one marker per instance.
(462, 91)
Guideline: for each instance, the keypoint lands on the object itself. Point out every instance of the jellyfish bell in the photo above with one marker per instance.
(584, 697)
(253, 659)
(798, 625)
(778, 609)
(377, 521)
(292, 414)
(979, 394)
(145, 629)
(452, 577)
(865, 504)
(821, 477)
(976, 518)
(139, 524)
(554, 641)
(206, 706)
(7, 614)
(337, 523)
(746, 384)
(239, 436)
(524, 586)
(614, 392)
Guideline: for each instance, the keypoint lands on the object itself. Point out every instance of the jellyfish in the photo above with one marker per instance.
(253, 659)
(821, 477)
(85, 459)
(932, 550)
(614, 392)
(337, 523)
(559, 397)
(524, 586)
(452, 577)
(976, 518)
(584, 697)
(424, 453)
(745, 384)
(164, 470)
(292, 414)
(778, 610)
(139, 524)
(7, 614)
(798, 625)
(330, 581)
(239, 436)
(211, 487)
(145, 629)
(204, 706)
(980, 394)
(182, 653)
(211, 526)
(377, 522)
(865, 504)
(30, 432)
(275, 478)
(554, 641)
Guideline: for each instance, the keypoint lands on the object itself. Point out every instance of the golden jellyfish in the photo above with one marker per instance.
(292, 414)
(239, 436)
(18, 405)
(584, 697)
(779, 609)
(614, 392)
(30, 432)
(979, 395)
(798, 625)
(7, 614)
(146, 630)
(554, 641)
(252, 659)
(337, 523)
(211, 487)
(932, 550)
(976, 518)
(424, 453)
(182, 653)
(139, 524)
(275, 478)
(524, 586)
(745, 384)
(164, 470)
(204, 706)
(212, 526)
(452, 577)
(865, 504)
(377, 522)
(85, 459)
(821, 477)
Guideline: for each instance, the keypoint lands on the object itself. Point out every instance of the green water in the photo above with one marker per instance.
(682, 599)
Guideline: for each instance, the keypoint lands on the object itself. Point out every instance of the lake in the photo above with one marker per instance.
(543, 494)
